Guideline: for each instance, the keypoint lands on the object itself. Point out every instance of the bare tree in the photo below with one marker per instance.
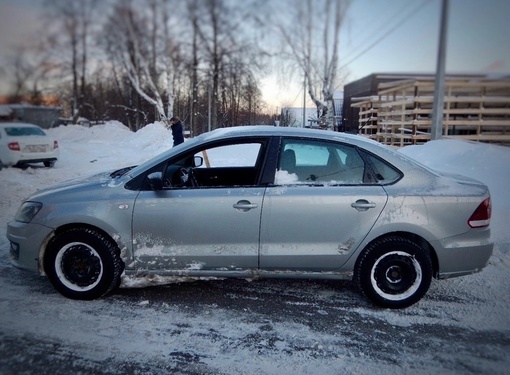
(314, 47)
(225, 43)
(74, 19)
(194, 20)
(147, 53)
(28, 71)
(152, 63)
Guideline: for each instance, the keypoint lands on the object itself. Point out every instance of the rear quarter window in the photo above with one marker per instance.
(384, 172)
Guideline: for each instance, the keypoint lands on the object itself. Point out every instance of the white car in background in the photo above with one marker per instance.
(22, 143)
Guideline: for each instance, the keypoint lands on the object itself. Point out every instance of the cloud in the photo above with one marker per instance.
(496, 67)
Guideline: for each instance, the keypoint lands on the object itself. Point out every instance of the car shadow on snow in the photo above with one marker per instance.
(269, 296)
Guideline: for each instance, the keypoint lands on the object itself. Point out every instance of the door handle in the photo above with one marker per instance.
(362, 205)
(245, 206)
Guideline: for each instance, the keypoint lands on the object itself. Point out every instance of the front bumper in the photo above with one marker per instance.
(26, 241)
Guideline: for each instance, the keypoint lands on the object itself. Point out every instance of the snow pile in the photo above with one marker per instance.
(487, 163)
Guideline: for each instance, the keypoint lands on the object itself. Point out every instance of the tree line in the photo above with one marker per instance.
(140, 61)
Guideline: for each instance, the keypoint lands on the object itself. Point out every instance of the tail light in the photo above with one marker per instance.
(482, 215)
(14, 146)
(55, 145)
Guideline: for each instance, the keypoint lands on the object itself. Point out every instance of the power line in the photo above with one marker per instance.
(380, 27)
(395, 27)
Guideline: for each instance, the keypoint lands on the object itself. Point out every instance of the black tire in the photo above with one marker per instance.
(83, 264)
(393, 272)
(49, 164)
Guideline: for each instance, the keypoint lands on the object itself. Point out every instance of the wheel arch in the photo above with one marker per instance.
(70, 226)
(417, 239)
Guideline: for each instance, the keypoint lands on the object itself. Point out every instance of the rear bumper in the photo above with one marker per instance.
(40, 160)
(464, 254)
(13, 158)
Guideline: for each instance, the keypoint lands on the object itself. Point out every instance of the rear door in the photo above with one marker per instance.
(322, 205)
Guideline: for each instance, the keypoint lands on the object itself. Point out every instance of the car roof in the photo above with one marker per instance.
(267, 130)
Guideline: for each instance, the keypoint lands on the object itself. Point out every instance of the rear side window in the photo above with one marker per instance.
(21, 131)
(320, 162)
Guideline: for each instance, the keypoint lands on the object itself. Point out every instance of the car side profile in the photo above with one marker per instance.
(22, 143)
(260, 202)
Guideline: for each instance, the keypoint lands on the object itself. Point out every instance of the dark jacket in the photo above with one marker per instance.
(177, 133)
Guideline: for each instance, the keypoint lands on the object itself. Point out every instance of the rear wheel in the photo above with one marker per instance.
(49, 164)
(393, 272)
(84, 264)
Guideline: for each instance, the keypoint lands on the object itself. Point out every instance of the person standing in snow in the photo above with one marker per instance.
(177, 134)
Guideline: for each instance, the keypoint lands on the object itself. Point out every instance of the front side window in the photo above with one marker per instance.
(236, 155)
(228, 165)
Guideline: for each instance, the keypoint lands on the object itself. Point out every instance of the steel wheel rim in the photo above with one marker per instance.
(396, 275)
(78, 266)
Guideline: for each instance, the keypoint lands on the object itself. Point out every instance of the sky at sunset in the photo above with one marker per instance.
(378, 36)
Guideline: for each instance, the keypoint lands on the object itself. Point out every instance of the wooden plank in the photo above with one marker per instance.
(478, 99)
(483, 137)
(479, 83)
(368, 112)
(396, 103)
(503, 123)
(476, 111)
(465, 99)
(409, 112)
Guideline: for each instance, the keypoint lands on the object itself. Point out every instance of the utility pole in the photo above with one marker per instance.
(436, 130)
(209, 99)
(304, 102)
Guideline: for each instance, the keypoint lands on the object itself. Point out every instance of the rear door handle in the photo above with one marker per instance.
(244, 205)
(362, 205)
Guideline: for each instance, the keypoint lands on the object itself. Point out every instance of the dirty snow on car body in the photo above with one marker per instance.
(239, 326)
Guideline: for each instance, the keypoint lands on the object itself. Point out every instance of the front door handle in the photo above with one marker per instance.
(362, 205)
(244, 205)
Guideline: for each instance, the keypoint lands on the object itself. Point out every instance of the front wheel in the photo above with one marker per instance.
(393, 272)
(83, 264)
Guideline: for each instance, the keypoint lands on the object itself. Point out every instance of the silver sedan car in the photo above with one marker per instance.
(260, 202)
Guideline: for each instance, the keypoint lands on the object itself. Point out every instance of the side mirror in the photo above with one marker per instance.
(155, 181)
(198, 161)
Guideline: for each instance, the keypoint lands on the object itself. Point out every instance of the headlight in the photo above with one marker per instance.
(27, 211)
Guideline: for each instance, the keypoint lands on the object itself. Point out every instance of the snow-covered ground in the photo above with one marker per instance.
(139, 326)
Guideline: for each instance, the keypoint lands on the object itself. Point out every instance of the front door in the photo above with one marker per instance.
(212, 223)
(197, 229)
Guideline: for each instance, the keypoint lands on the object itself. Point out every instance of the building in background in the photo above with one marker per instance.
(44, 116)
(396, 109)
